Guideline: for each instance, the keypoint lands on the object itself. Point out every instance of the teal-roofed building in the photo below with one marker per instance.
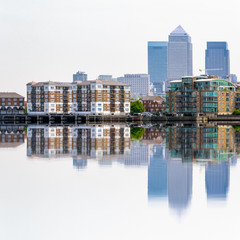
(202, 95)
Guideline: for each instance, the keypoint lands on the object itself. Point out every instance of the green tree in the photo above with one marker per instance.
(137, 107)
(137, 132)
(236, 112)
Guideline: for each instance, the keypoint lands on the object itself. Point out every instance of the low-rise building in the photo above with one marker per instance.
(101, 97)
(49, 98)
(11, 103)
(202, 95)
(98, 97)
(153, 104)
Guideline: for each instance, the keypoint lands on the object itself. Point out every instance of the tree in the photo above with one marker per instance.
(137, 132)
(236, 112)
(137, 107)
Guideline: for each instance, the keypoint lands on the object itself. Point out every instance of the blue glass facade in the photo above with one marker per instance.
(217, 59)
(157, 65)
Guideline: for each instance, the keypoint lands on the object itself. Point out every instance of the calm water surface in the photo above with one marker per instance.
(119, 182)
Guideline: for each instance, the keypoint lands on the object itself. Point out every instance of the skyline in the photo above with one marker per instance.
(51, 40)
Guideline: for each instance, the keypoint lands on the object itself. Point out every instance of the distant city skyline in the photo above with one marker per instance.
(49, 40)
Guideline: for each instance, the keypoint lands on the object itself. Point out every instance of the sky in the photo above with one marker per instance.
(43, 40)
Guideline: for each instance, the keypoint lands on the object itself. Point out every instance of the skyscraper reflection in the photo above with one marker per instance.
(170, 172)
(217, 180)
(157, 174)
(179, 184)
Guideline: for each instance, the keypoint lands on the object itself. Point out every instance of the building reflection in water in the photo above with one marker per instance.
(170, 173)
(217, 180)
(169, 152)
(11, 136)
(82, 142)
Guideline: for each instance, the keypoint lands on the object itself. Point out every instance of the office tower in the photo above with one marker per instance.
(140, 84)
(157, 65)
(105, 77)
(217, 59)
(179, 54)
(80, 76)
(233, 78)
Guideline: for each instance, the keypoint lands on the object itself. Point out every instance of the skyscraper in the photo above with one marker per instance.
(217, 59)
(179, 54)
(157, 65)
(80, 76)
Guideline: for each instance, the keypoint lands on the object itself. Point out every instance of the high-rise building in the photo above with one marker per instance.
(157, 65)
(140, 84)
(80, 76)
(179, 54)
(217, 59)
(105, 77)
(233, 78)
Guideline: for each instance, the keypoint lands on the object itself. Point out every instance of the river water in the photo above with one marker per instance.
(119, 182)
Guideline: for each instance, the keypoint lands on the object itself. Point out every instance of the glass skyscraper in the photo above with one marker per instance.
(217, 59)
(179, 54)
(157, 65)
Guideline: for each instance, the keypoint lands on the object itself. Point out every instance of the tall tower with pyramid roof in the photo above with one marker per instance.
(179, 54)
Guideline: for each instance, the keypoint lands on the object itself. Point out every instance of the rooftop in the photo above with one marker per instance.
(152, 98)
(39, 84)
(179, 31)
(104, 82)
(10, 95)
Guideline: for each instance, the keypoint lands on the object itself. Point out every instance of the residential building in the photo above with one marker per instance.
(153, 104)
(80, 76)
(202, 95)
(49, 98)
(179, 54)
(157, 65)
(101, 97)
(140, 84)
(217, 62)
(11, 103)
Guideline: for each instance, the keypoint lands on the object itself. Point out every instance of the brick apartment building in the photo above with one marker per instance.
(153, 103)
(101, 97)
(96, 97)
(11, 103)
(49, 97)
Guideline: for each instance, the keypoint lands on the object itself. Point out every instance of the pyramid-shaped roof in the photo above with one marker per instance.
(179, 31)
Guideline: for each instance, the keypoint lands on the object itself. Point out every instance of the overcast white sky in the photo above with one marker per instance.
(43, 40)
